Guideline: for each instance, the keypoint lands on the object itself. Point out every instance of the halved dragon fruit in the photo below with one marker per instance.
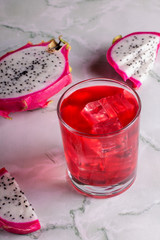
(133, 56)
(16, 213)
(32, 74)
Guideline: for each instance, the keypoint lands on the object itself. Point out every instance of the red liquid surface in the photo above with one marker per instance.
(103, 159)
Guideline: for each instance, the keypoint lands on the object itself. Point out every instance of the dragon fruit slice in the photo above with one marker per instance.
(16, 213)
(133, 56)
(32, 74)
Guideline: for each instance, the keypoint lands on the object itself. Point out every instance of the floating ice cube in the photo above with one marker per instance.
(104, 117)
(107, 114)
(119, 103)
(101, 116)
(94, 113)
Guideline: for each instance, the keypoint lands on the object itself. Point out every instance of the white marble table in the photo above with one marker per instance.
(30, 144)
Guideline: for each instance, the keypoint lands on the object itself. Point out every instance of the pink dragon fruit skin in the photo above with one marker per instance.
(136, 82)
(37, 99)
(20, 228)
(17, 227)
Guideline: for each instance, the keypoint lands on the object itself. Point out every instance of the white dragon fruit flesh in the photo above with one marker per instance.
(16, 213)
(133, 56)
(32, 74)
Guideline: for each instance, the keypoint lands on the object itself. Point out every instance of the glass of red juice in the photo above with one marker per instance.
(99, 120)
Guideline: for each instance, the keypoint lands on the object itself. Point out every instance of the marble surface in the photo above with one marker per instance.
(31, 146)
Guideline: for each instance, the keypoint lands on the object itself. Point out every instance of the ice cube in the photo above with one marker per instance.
(119, 103)
(101, 116)
(93, 112)
(105, 147)
(111, 125)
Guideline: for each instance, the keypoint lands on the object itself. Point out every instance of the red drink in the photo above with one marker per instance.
(100, 130)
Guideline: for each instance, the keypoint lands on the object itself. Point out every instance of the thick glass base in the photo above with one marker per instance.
(101, 191)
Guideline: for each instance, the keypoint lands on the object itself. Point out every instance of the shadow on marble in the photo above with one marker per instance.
(42, 173)
(101, 68)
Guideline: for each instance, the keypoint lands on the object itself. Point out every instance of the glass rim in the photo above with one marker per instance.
(103, 134)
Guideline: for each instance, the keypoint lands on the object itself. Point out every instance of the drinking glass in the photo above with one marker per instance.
(100, 163)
